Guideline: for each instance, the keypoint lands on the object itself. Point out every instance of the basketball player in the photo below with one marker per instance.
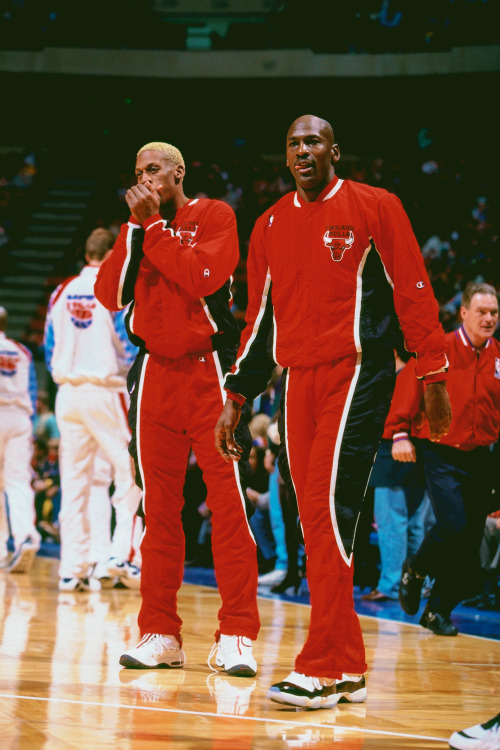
(88, 353)
(330, 266)
(172, 262)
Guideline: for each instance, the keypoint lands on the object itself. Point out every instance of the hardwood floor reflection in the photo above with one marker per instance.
(61, 685)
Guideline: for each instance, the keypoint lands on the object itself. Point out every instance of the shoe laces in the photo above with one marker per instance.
(157, 642)
(307, 682)
(229, 645)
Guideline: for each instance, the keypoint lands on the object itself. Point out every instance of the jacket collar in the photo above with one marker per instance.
(328, 192)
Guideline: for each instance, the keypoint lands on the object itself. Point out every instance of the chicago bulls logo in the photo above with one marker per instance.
(338, 240)
(187, 232)
(81, 309)
(8, 363)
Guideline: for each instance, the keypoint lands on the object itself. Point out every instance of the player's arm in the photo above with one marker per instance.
(114, 287)
(205, 265)
(416, 308)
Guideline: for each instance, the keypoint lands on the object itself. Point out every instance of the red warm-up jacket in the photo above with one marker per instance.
(474, 390)
(333, 277)
(177, 278)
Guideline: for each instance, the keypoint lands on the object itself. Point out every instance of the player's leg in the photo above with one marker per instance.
(233, 545)
(17, 482)
(160, 447)
(77, 454)
(349, 403)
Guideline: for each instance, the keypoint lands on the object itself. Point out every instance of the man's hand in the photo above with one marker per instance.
(143, 201)
(224, 432)
(404, 451)
(436, 408)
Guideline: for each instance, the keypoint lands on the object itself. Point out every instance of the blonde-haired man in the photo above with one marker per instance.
(172, 262)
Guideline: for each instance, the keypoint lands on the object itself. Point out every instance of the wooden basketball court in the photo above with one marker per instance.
(61, 685)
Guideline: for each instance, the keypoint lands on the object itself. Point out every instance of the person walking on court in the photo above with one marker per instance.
(331, 268)
(18, 395)
(458, 469)
(172, 262)
(88, 354)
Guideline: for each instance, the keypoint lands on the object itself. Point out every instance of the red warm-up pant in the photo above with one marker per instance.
(175, 405)
(333, 420)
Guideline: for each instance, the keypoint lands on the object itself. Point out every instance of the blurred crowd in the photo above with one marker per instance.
(361, 26)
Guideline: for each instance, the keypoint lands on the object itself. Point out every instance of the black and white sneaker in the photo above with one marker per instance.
(318, 692)
(479, 737)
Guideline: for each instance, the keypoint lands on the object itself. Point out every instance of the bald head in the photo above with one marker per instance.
(3, 319)
(313, 124)
(311, 154)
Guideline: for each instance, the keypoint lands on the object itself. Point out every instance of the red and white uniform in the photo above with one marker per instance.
(176, 277)
(89, 361)
(330, 282)
(17, 393)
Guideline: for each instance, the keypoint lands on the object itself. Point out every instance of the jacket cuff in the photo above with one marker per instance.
(400, 436)
(236, 397)
(152, 220)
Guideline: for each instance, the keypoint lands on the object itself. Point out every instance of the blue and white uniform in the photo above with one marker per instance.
(88, 354)
(18, 394)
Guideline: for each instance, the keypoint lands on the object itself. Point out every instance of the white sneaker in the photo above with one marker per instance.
(23, 557)
(479, 737)
(233, 654)
(129, 575)
(154, 651)
(318, 692)
(74, 584)
(272, 578)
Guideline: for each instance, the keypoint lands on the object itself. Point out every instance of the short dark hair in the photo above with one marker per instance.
(98, 243)
(476, 287)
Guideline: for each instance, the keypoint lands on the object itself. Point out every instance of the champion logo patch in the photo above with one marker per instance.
(338, 239)
(497, 367)
(81, 309)
(420, 284)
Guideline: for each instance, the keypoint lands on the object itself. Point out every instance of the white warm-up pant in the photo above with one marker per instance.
(16, 450)
(126, 535)
(89, 418)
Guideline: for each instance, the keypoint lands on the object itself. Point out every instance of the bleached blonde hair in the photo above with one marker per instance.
(170, 153)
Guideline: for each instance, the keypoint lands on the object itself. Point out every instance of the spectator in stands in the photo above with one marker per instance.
(258, 495)
(44, 422)
(47, 486)
(399, 510)
(489, 554)
(458, 469)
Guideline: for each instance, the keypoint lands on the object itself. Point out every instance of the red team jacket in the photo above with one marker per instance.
(343, 272)
(177, 278)
(474, 390)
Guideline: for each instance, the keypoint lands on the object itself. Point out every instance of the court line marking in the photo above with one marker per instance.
(226, 716)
